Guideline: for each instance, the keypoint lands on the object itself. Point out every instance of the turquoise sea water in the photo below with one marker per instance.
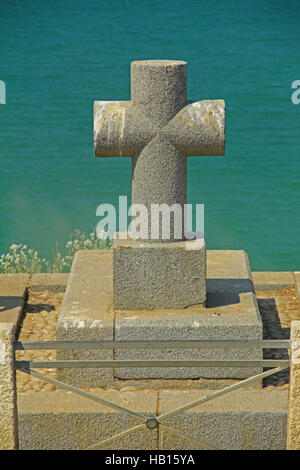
(59, 56)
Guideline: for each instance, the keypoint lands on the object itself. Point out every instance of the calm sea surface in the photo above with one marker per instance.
(59, 56)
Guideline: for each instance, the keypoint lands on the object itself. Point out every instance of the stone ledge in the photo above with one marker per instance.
(55, 282)
(297, 282)
(12, 297)
(271, 280)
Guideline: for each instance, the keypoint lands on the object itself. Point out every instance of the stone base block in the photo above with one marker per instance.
(227, 321)
(271, 280)
(240, 420)
(158, 275)
(54, 282)
(64, 421)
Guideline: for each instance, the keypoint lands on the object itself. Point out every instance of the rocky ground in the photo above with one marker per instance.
(278, 308)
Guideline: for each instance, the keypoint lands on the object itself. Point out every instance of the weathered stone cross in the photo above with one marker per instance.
(159, 128)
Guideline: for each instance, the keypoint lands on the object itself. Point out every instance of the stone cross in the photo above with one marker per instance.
(158, 128)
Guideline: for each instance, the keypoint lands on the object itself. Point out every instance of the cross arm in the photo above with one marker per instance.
(198, 128)
(120, 129)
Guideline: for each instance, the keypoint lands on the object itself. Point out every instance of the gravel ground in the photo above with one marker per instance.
(38, 324)
(278, 308)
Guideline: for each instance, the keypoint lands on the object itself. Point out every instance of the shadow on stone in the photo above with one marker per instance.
(272, 329)
(222, 292)
(9, 302)
(229, 286)
(37, 308)
(214, 300)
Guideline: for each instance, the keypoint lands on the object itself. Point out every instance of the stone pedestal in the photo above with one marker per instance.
(293, 428)
(8, 399)
(149, 275)
(230, 312)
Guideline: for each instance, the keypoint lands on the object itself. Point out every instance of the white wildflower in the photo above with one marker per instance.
(14, 247)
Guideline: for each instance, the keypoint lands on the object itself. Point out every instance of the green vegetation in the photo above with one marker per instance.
(22, 259)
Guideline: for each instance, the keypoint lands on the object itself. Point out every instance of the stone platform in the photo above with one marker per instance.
(245, 419)
(87, 313)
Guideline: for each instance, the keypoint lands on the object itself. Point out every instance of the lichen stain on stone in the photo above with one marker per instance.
(195, 111)
(213, 121)
(75, 323)
(110, 114)
(96, 323)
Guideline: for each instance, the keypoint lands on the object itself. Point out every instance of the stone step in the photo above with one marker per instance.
(242, 419)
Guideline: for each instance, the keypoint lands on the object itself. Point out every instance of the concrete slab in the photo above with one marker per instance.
(240, 420)
(62, 420)
(270, 280)
(12, 297)
(231, 312)
(53, 282)
(86, 314)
